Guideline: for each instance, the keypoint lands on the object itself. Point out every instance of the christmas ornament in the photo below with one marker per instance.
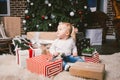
(37, 26)
(43, 17)
(80, 12)
(49, 4)
(24, 21)
(85, 7)
(27, 17)
(46, 1)
(50, 24)
(76, 2)
(31, 4)
(26, 11)
(52, 16)
(46, 17)
(72, 13)
(28, 1)
(25, 28)
(33, 15)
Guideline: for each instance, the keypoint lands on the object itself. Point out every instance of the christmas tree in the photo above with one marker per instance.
(45, 15)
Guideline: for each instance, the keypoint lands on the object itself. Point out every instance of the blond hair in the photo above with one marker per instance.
(70, 27)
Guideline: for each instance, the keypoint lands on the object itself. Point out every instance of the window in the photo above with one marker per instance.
(4, 7)
(92, 5)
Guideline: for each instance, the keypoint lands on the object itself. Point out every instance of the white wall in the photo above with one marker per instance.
(103, 5)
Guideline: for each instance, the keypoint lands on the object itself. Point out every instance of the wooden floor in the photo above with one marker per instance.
(109, 47)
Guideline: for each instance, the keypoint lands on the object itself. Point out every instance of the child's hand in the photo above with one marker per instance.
(56, 54)
(75, 54)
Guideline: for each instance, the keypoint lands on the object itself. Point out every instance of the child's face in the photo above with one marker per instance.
(62, 31)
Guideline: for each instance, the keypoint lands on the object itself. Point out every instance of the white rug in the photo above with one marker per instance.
(9, 70)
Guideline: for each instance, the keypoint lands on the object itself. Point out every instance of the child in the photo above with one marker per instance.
(65, 44)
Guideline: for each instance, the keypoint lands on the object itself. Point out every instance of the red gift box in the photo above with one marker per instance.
(94, 58)
(22, 55)
(42, 65)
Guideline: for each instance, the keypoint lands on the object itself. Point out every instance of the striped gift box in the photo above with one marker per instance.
(94, 58)
(42, 65)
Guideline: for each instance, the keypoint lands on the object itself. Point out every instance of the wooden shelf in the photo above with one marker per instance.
(5, 45)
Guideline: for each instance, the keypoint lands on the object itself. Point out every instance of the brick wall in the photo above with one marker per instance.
(17, 8)
(111, 14)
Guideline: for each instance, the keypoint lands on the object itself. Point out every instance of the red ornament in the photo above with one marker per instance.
(43, 17)
(27, 17)
(80, 12)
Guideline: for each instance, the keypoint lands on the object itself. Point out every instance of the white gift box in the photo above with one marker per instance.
(95, 36)
(22, 55)
(37, 51)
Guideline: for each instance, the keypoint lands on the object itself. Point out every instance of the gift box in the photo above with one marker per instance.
(88, 51)
(95, 36)
(43, 65)
(81, 44)
(88, 70)
(22, 55)
(94, 58)
(37, 51)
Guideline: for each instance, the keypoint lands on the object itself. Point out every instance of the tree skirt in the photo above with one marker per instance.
(9, 70)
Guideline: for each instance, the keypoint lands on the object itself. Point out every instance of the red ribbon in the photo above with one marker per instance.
(30, 53)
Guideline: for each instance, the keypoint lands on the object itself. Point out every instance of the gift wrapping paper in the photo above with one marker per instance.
(94, 58)
(43, 65)
(22, 55)
(82, 44)
(94, 71)
(37, 51)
